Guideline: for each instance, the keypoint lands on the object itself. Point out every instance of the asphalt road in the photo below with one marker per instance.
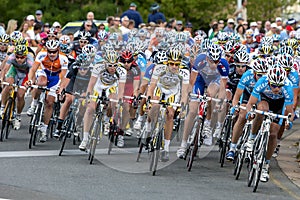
(40, 173)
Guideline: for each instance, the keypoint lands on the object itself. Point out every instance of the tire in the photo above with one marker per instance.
(227, 127)
(94, 139)
(180, 130)
(156, 152)
(239, 163)
(253, 160)
(7, 116)
(92, 149)
(194, 146)
(141, 143)
(38, 118)
(262, 155)
(68, 123)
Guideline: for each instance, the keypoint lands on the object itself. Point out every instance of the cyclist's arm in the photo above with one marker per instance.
(184, 93)
(32, 71)
(193, 78)
(237, 96)
(121, 87)
(4, 71)
(295, 90)
(91, 85)
(152, 86)
(251, 102)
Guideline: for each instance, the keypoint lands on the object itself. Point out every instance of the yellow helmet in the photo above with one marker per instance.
(21, 50)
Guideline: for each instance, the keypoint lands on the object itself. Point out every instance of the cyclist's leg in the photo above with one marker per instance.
(41, 80)
(10, 78)
(140, 118)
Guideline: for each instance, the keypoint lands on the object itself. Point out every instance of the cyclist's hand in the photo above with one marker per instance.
(232, 110)
(250, 115)
(288, 125)
(28, 83)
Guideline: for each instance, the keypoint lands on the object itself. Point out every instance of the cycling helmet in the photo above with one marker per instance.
(5, 38)
(84, 35)
(64, 39)
(297, 51)
(22, 41)
(65, 48)
(271, 61)
(235, 37)
(276, 38)
(163, 46)
(90, 50)
(159, 31)
(201, 33)
(174, 54)
(161, 57)
(286, 61)
(185, 62)
(259, 66)
(82, 59)
(268, 41)
(286, 50)
(228, 47)
(204, 44)
(52, 31)
(277, 75)
(241, 57)
(284, 42)
(113, 36)
(266, 49)
(21, 50)
(107, 47)
(214, 52)
(297, 36)
(132, 33)
(292, 42)
(52, 44)
(249, 32)
(222, 37)
(111, 56)
(142, 33)
(102, 35)
(126, 56)
(198, 38)
(117, 45)
(180, 37)
(16, 35)
(139, 47)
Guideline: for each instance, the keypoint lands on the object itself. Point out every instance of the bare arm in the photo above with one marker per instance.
(121, 90)
(32, 71)
(91, 85)
(237, 96)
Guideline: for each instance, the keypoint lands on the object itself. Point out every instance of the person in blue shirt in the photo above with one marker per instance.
(134, 15)
(274, 93)
(155, 16)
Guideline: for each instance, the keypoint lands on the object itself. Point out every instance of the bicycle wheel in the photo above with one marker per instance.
(157, 145)
(111, 137)
(191, 145)
(94, 139)
(38, 119)
(141, 143)
(7, 115)
(68, 123)
(227, 129)
(253, 161)
(180, 130)
(261, 155)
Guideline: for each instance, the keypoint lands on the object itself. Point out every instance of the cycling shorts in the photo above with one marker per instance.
(110, 90)
(275, 106)
(17, 75)
(52, 81)
(171, 98)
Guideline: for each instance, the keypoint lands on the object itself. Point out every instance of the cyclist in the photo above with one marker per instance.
(276, 94)
(106, 76)
(77, 80)
(51, 35)
(167, 79)
(245, 86)
(16, 71)
(49, 68)
(83, 39)
(4, 42)
(210, 70)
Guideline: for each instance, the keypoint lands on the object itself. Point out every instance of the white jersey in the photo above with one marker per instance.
(168, 82)
(106, 80)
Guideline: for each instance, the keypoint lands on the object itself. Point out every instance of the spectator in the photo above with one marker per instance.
(259, 25)
(110, 21)
(229, 27)
(239, 21)
(115, 27)
(30, 20)
(87, 26)
(131, 24)
(292, 22)
(93, 29)
(179, 26)
(242, 12)
(155, 14)
(241, 32)
(221, 25)
(2, 30)
(245, 24)
(211, 25)
(71, 36)
(101, 27)
(38, 17)
(267, 26)
(173, 23)
(12, 25)
(134, 15)
(57, 27)
(215, 31)
(278, 21)
(124, 25)
(160, 23)
(23, 29)
(253, 26)
(189, 28)
(37, 38)
(272, 31)
(284, 34)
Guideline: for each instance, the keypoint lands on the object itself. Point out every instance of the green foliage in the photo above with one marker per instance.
(199, 12)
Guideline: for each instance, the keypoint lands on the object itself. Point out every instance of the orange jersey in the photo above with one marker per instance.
(53, 66)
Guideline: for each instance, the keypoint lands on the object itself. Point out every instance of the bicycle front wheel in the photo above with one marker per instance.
(6, 121)
(224, 137)
(194, 146)
(157, 145)
(68, 123)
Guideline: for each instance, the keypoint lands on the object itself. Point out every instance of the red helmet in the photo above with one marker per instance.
(126, 56)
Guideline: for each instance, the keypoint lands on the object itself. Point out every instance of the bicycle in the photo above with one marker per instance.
(241, 152)
(36, 118)
(97, 127)
(259, 151)
(69, 124)
(157, 136)
(9, 110)
(195, 139)
(54, 117)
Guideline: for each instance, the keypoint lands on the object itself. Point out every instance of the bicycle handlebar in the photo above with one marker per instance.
(13, 85)
(205, 98)
(161, 102)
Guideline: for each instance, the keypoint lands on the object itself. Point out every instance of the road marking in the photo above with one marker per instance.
(115, 151)
(279, 184)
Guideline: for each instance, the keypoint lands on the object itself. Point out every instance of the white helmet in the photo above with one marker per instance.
(214, 52)
(90, 50)
(259, 66)
(277, 75)
(52, 44)
(241, 57)
(161, 57)
(16, 35)
(286, 61)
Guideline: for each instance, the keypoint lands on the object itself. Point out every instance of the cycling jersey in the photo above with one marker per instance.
(294, 78)
(2, 55)
(168, 82)
(78, 81)
(52, 68)
(148, 73)
(247, 81)
(201, 66)
(141, 62)
(105, 79)
(21, 68)
(262, 87)
(132, 75)
(233, 80)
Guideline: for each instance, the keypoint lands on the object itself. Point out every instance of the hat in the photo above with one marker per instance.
(132, 4)
(154, 6)
(189, 25)
(38, 12)
(179, 22)
(273, 25)
(289, 28)
(56, 24)
(230, 20)
(239, 18)
(278, 19)
(291, 21)
(253, 24)
(47, 24)
(30, 17)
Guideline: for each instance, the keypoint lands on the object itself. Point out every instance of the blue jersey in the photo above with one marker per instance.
(149, 71)
(262, 87)
(142, 62)
(247, 81)
(202, 67)
(294, 78)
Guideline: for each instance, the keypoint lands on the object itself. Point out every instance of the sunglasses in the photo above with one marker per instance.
(174, 63)
(51, 36)
(214, 61)
(259, 74)
(228, 55)
(264, 55)
(20, 57)
(52, 52)
(83, 41)
(275, 85)
(83, 69)
(3, 44)
(102, 28)
(88, 25)
(241, 65)
(287, 69)
(112, 65)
